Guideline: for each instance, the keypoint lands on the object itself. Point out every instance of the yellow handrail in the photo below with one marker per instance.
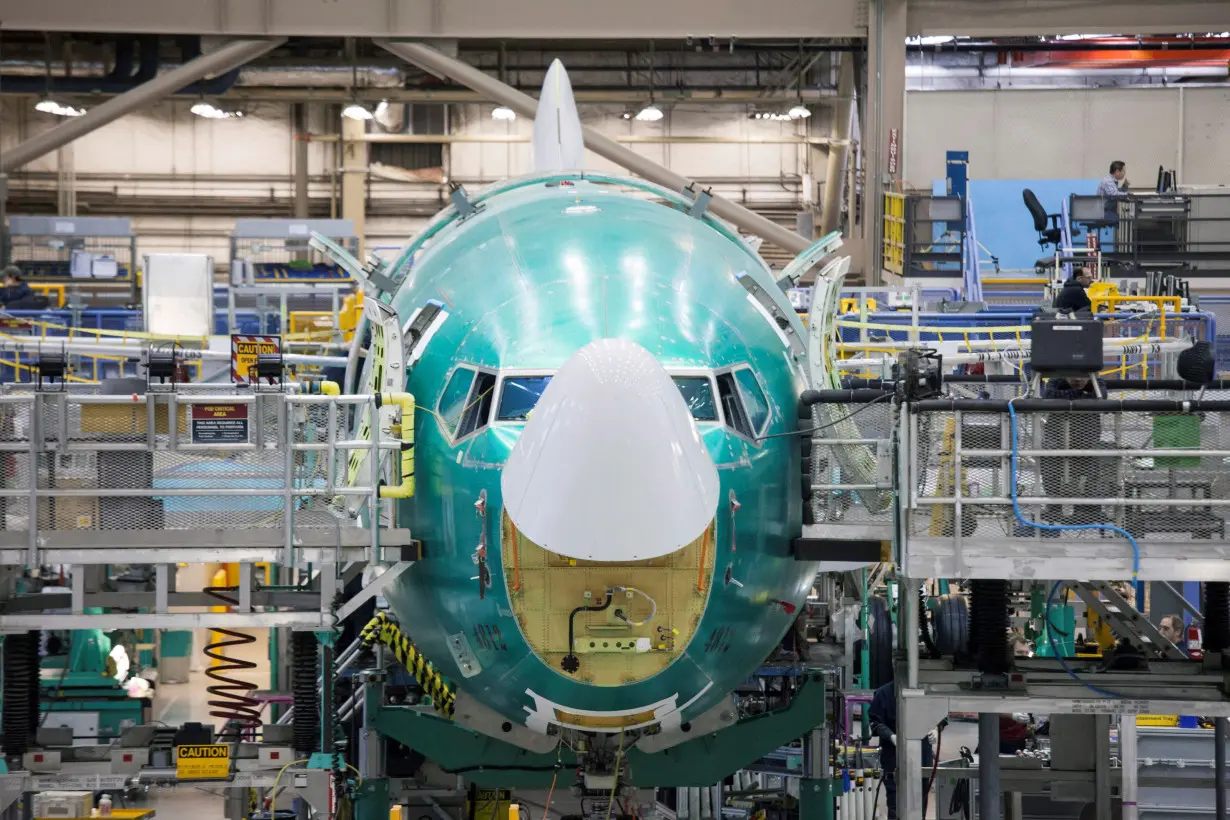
(405, 402)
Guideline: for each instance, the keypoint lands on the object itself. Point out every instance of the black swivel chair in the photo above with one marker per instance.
(1046, 236)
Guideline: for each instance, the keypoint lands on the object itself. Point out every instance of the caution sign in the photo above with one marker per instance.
(245, 349)
(202, 762)
(219, 424)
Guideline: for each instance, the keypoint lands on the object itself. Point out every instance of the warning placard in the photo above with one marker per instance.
(219, 424)
(245, 349)
(202, 762)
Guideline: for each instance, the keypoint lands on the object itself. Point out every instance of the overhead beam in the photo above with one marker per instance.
(1004, 18)
(220, 61)
(463, 96)
(429, 59)
(562, 19)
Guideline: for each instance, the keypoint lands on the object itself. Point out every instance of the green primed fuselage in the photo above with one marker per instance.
(539, 271)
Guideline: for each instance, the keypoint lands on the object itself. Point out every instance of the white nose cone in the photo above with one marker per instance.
(610, 466)
(558, 143)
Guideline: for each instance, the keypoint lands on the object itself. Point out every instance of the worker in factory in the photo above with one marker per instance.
(882, 715)
(1112, 187)
(1074, 476)
(1072, 297)
(15, 289)
(1172, 629)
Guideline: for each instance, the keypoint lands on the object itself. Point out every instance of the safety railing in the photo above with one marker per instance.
(851, 460)
(203, 471)
(893, 252)
(988, 481)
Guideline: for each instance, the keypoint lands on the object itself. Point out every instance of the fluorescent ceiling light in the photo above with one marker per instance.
(799, 112)
(1084, 36)
(355, 111)
(503, 113)
(930, 40)
(212, 112)
(58, 108)
(650, 113)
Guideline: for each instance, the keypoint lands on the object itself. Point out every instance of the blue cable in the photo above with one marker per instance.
(1016, 509)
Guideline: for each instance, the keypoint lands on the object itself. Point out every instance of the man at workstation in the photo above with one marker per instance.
(1073, 297)
(1113, 186)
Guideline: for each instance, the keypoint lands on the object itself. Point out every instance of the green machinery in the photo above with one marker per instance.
(80, 690)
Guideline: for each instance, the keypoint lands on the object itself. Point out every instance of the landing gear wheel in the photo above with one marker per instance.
(950, 623)
(880, 650)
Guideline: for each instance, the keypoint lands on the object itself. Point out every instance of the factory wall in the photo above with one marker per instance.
(1058, 142)
(185, 179)
(1071, 133)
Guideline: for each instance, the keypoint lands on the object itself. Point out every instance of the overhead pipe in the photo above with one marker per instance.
(936, 72)
(224, 59)
(431, 60)
(121, 77)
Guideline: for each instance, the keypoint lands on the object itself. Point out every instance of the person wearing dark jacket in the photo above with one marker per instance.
(882, 715)
(15, 289)
(1073, 297)
(1075, 476)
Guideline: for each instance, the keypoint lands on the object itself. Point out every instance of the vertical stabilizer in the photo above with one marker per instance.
(558, 144)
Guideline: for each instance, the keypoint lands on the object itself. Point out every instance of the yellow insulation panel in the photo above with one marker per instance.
(545, 587)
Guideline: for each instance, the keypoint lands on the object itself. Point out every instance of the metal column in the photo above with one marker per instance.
(839, 148)
(354, 177)
(431, 60)
(883, 113)
(1219, 766)
(301, 159)
(990, 798)
(217, 62)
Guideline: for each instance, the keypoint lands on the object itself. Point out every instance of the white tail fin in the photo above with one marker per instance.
(558, 145)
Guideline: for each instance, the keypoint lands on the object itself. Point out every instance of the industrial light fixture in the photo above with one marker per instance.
(929, 40)
(799, 112)
(650, 113)
(503, 113)
(773, 116)
(50, 106)
(355, 111)
(212, 112)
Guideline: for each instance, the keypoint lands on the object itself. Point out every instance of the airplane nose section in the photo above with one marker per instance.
(610, 466)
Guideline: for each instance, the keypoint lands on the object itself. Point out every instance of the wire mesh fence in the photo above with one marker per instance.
(1158, 475)
(190, 461)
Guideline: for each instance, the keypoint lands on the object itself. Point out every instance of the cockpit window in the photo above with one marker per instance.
(753, 399)
(732, 405)
(698, 395)
(478, 405)
(453, 397)
(519, 396)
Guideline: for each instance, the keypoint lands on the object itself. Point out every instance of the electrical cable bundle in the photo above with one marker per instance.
(383, 630)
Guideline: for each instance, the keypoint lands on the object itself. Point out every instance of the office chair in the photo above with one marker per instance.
(1046, 236)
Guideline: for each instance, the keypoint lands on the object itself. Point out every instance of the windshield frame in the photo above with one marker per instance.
(532, 372)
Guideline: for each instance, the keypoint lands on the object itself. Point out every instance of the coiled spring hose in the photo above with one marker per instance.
(20, 687)
(383, 630)
(232, 704)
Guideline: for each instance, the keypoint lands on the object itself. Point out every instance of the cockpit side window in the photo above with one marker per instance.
(698, 396)
(732, 405)
(753, 399)
(519, 396)
(478, 405)
(453, 398)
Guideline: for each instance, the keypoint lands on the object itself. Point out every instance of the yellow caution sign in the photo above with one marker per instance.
(202, 762)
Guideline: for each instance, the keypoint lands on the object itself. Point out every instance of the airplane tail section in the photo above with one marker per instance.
(558, 144)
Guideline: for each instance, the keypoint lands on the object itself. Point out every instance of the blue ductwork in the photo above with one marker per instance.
(122, 78)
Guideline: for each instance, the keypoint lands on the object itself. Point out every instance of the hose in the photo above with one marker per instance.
(305, 721)
(231, 704)
(19, 679)
(988, 633)
(383, 630)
